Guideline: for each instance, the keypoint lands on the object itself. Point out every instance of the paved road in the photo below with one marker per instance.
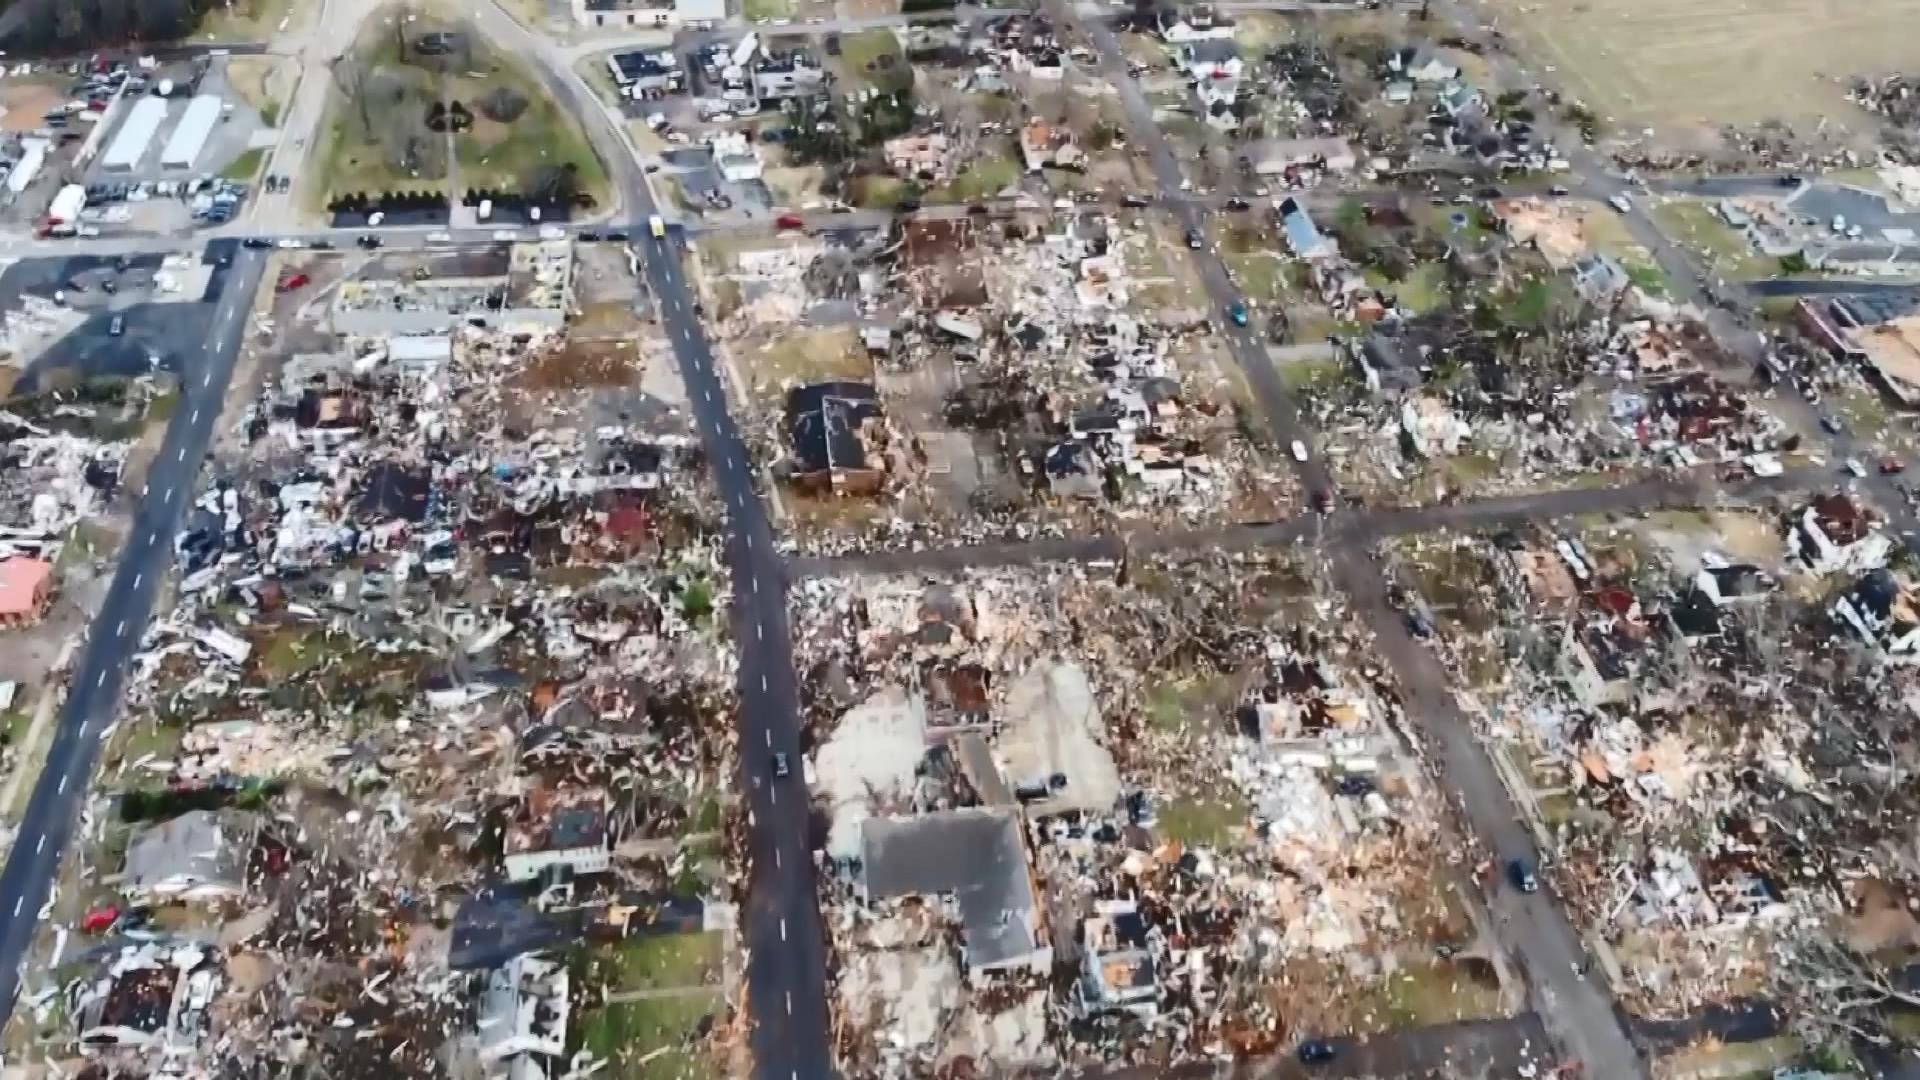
(1831, 287)
(1357, 530)
(94, 692)
(1441, 1051)
(786, 974)
(786, 970)
(1533, 927)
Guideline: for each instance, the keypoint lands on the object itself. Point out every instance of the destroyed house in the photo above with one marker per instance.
(148, 996)
(1303, 236)
(199, 857)
(978, 857)
(395, 492)
(1742, 583)
(130, 1007)
(1116, 966)
(1880, 609)
(1598, 660)
(1833, 533)
(829, 426)
(560, 830)
(522, 1018)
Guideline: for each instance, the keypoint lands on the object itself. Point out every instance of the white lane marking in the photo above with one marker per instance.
(707, 395)
(749, 541)
(763, 689)
(756, 586)
(760, 631)
(773, 795)
(137, 578)
(120, 630)
(789, 999)
(102, 680)
(783, 929)
(167, 495)
(206, 378)
(182, 455)
(41, 844)
(18, 901)
(776, 858)
(769, 736)
(63, 786)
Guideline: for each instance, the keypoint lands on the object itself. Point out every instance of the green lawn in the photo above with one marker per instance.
(503, 155)
(878, 192)
(755, 10)
(1215, 821)
(863, 53)
(246, 165)
(653, 961)
(983, 179)
(1423, 290)
(1695, 225)
(630, 1037)
(1650, 279)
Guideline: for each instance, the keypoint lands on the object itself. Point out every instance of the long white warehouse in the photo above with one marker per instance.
(190, 137)
(28, 167)
(130, 143)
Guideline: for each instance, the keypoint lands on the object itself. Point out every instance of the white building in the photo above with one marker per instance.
(561, 829)
(522, 1018)
(735, 157)
(1880, 609)
(649, 13)
(1834, 534)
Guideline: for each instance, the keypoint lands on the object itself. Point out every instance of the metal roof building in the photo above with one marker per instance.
(130, 143)
(190, 137)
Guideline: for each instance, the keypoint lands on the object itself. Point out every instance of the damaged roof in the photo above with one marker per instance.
(978, 857)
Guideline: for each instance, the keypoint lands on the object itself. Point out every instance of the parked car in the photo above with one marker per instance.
(1315, 1051)
(1890, 465)
(290, 282)
(257, 242)
(1299, 450)
(789, 221)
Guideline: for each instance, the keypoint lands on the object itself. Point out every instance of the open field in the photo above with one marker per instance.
(1686, 69)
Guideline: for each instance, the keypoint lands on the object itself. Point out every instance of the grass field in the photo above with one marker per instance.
(1694, 224)
(1685, 69)
(244, 166)
(490, 154)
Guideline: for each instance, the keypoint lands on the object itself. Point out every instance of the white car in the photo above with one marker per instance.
(1299, 450)
(1621, 203)
(290, 243)
(439, 238)
(505, 234)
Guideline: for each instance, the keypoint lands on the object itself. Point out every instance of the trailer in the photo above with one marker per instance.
(63, 214)
(28, 167)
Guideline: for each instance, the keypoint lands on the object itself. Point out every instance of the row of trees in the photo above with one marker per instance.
(47, 26)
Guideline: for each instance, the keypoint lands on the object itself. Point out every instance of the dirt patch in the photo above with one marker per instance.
(27, 103)
(580, 365)
(263, 82)
(798, 358)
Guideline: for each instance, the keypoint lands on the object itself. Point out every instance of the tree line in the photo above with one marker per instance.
(53, 26)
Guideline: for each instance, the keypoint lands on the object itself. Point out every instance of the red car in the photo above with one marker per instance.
(789, 221)
(100, 920)
(291, 282)
(1890, 465)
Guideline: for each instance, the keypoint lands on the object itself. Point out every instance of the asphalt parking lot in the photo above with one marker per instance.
(161, 331)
